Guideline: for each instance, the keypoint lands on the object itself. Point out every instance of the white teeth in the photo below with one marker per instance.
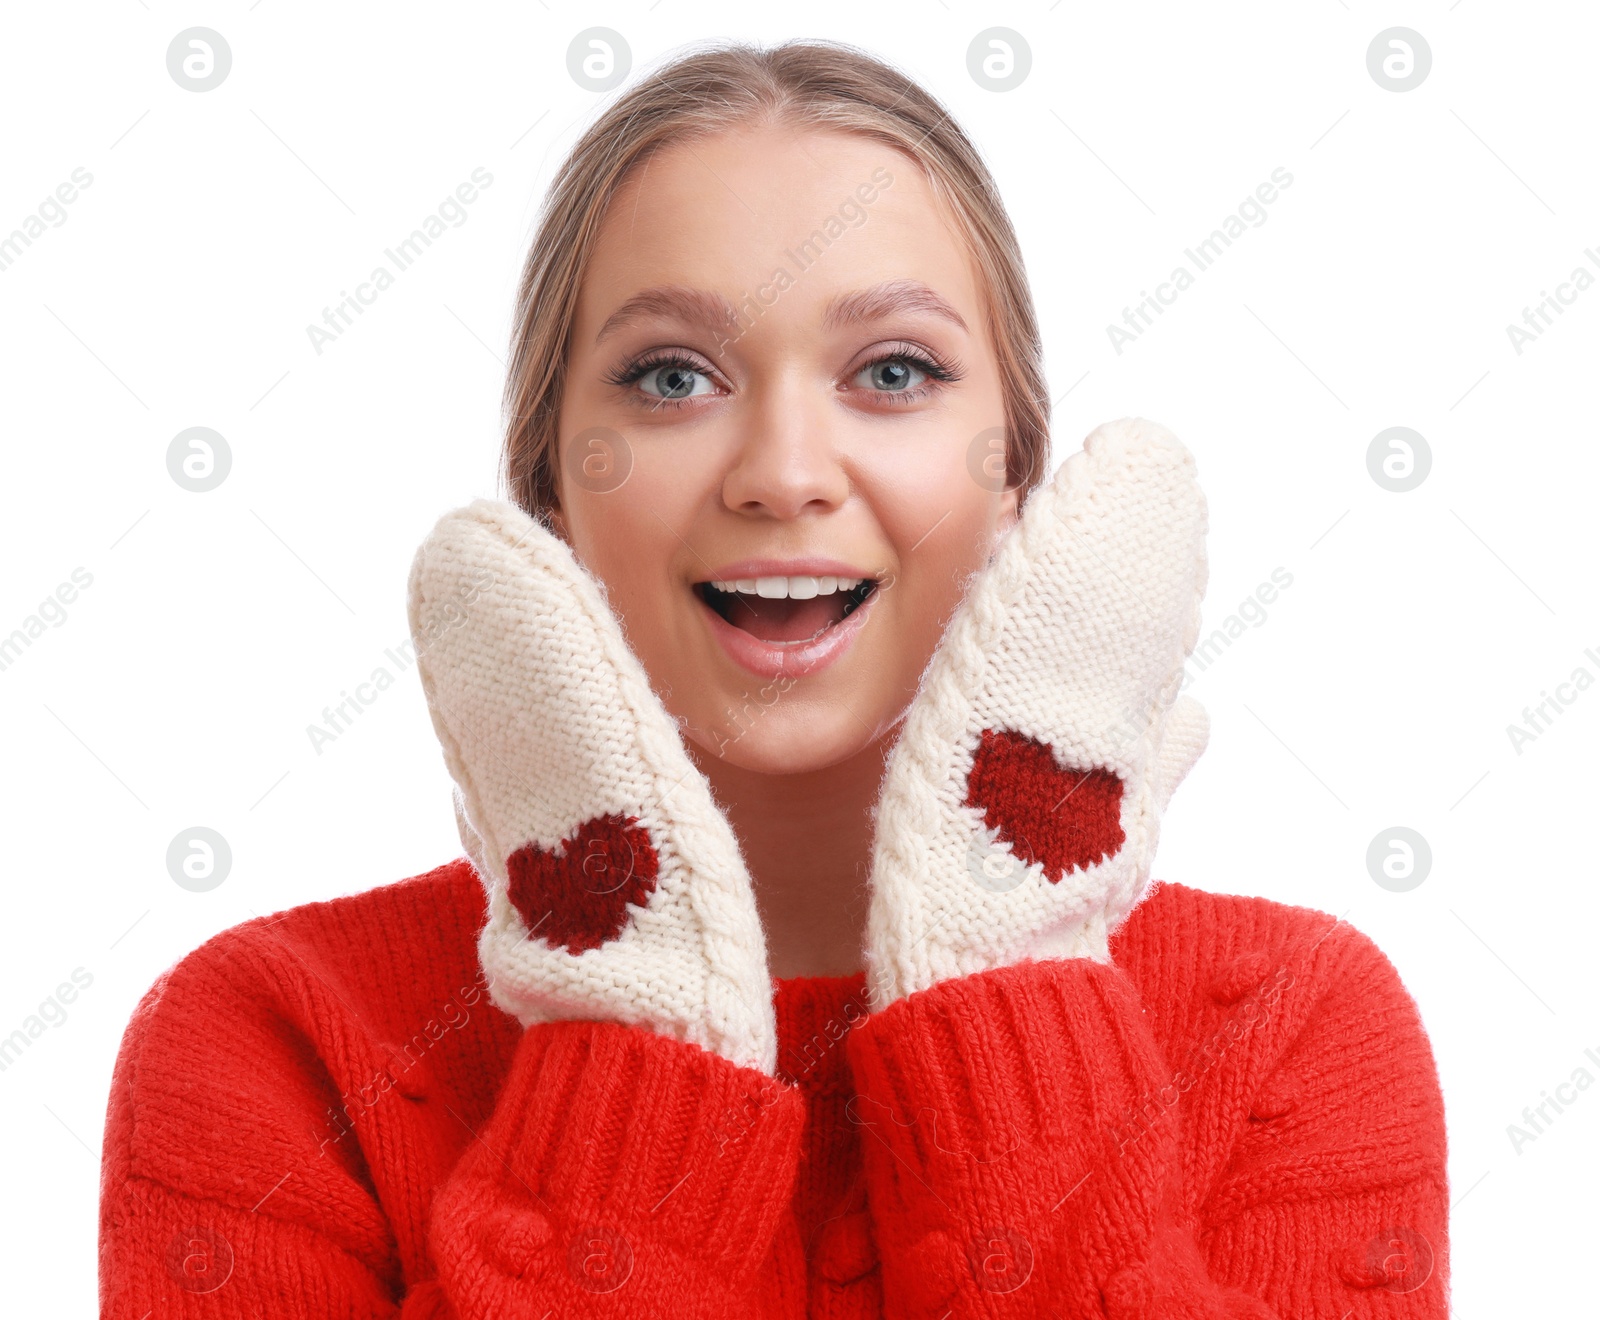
(799, 587)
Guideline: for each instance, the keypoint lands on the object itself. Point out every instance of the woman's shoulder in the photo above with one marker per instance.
(1192, 944)
(1221, 922)
(271, 1070)
(413, 934)
(255, 1037)
(1294, 1032)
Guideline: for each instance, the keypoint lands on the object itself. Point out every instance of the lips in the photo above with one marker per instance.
(777, 618)
(786, 609)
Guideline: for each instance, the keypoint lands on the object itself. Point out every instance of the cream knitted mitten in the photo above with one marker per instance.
(1021, 804)
(616, 889)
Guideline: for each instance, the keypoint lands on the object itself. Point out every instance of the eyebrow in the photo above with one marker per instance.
(885, 300)
(702, 307)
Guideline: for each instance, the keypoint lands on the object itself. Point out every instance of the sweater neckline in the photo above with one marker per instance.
(840, 984)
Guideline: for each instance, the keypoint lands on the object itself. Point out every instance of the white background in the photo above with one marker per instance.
(1377, 293)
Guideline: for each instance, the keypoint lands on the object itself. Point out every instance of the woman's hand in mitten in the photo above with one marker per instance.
(615, 886)
(1021, 804)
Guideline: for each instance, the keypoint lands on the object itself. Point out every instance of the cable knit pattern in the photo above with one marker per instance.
(1072, 642)
(616, 888)
(320, 1114)
(554, 1078)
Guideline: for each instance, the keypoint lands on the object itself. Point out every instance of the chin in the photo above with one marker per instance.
(778, 742)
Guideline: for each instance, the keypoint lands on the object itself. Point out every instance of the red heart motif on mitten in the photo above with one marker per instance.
(1065, 819)
(577, 895)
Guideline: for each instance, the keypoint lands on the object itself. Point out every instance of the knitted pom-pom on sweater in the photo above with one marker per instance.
(321, 1114)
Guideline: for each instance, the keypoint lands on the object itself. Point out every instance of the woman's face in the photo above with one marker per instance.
(730, 472)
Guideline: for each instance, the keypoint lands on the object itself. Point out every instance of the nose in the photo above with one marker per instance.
(789, 464)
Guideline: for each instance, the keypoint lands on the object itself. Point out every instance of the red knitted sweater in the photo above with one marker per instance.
(321, 1114)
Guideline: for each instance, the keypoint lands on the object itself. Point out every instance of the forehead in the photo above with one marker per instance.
(834, 211)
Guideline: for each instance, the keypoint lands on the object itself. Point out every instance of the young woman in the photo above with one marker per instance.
(810, 750)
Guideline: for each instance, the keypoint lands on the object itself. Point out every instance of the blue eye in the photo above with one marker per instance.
(891, 375)
(669, 377)
(676, 379)
(663, 377)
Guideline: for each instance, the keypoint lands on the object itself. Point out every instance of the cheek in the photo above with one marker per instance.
(936, 516)
(942, 526)
(922, 467)
(652, 482)
(631, 538)
(939, 570)
(616, 539)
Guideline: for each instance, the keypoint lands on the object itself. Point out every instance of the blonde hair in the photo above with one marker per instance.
(812, 84)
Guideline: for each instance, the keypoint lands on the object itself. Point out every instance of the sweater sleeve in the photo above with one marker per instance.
(1025, 1154)
(618, 1169)
(622, 1162)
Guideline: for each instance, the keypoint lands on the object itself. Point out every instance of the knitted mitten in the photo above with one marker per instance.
(616, 889)
(1020, 806)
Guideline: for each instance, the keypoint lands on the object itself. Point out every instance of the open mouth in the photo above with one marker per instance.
(786, 611)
